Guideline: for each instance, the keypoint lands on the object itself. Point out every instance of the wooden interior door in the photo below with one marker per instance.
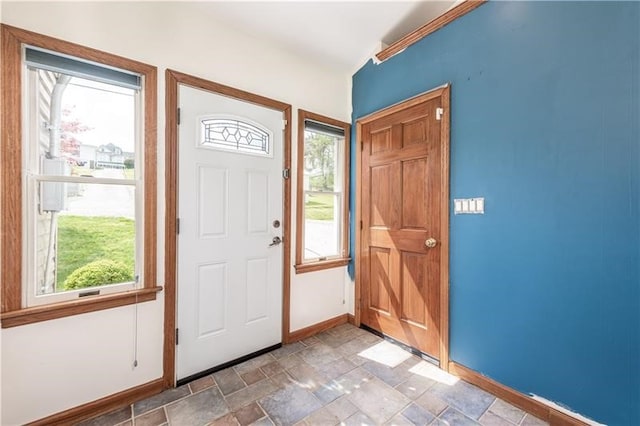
(402, 200)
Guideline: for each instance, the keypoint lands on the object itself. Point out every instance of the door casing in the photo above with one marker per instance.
(444, 92)
(172, 80)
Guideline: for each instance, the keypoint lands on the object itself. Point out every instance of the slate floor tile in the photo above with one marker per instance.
(358, 419)
(342, 408)
(289, 405)
(265, 421)
(254, 363)
(198, 409)
(228, 381)
(201, 384)
(272, 368)
(344, 376)
(507, 411)
(336, 368)
(399, 420)
(323, 417)
(386, 353)
(161, 399)
(468, 399)
(417, 415)
(287, 350)
(391, 376)
(319, 354)
(228, 420)
(328, 392)
(310, 341)
(290, 361)
(432, 403)
(249, 414)
(114, 417)
(253, 376)
(250, 394)
(491, 419)
(378, 401)
(451, 416)
(156, 417)
(415, 386)
(307, 376)
(282, 379)
(530, 420)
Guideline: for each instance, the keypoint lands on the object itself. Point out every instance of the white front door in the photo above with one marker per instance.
(229, 199)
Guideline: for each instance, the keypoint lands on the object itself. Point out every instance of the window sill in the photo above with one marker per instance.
(74, 307)
(320, 265)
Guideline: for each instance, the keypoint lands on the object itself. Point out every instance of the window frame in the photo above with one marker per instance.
(13, 220)
(302, 265)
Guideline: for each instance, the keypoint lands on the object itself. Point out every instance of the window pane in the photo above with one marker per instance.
(92, 128)
(322, 225)
(85, 236)
(322, 162)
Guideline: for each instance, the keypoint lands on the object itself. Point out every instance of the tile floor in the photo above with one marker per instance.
(344, 376)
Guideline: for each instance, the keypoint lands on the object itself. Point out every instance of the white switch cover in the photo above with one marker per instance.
(468, 206)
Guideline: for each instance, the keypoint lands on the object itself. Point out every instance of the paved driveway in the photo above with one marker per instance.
(103, 200)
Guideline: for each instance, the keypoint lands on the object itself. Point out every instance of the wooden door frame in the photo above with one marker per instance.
(172, 80)
(445, 93)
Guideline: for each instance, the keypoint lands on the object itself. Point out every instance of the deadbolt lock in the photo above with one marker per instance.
(276, 223)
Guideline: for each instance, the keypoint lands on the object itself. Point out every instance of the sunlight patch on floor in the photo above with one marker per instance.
(430, 371)
(386, 353)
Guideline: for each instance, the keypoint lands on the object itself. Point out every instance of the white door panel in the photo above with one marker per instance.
(229, 278)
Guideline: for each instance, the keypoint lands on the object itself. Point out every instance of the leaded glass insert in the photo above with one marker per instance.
(233, 134)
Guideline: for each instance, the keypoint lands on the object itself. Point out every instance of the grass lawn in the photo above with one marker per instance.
(319, 207)
(84, 239)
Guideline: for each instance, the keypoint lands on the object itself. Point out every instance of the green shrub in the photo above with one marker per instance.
(129, 163)
(97, 273)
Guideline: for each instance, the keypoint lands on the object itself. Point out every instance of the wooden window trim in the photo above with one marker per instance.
(432, 26)
(11, 219)
(310, 266)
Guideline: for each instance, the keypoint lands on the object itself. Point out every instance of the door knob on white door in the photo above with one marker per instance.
(430, 242)
(275, 241)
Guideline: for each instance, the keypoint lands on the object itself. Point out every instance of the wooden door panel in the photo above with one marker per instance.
(414, 192)
(400, 203)
(381, 141)
(412, 282)
(381, 209)
(414, 132)
(380, 294)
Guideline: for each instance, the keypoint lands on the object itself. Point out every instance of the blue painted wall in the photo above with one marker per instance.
(545, 286)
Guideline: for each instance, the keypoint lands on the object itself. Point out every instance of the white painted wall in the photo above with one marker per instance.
(52, 366)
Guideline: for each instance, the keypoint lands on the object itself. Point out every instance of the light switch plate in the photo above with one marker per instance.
(468, 206)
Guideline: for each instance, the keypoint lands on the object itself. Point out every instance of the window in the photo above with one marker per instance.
(80, 201)
(235, 134)
(323, 197)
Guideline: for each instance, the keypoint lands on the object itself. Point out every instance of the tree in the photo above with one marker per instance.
(70, 126)
(319, 157)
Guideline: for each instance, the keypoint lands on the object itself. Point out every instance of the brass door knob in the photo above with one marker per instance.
(430, 242)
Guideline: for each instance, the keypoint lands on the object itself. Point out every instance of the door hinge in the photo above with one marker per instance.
(361, 145)
(439, 112)
(361, 225)
(177, 225)
(284, 124)
(177, 337)
(178, 116)
(285, 173)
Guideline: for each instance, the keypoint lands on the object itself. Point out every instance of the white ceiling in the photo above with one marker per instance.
(341, 34)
